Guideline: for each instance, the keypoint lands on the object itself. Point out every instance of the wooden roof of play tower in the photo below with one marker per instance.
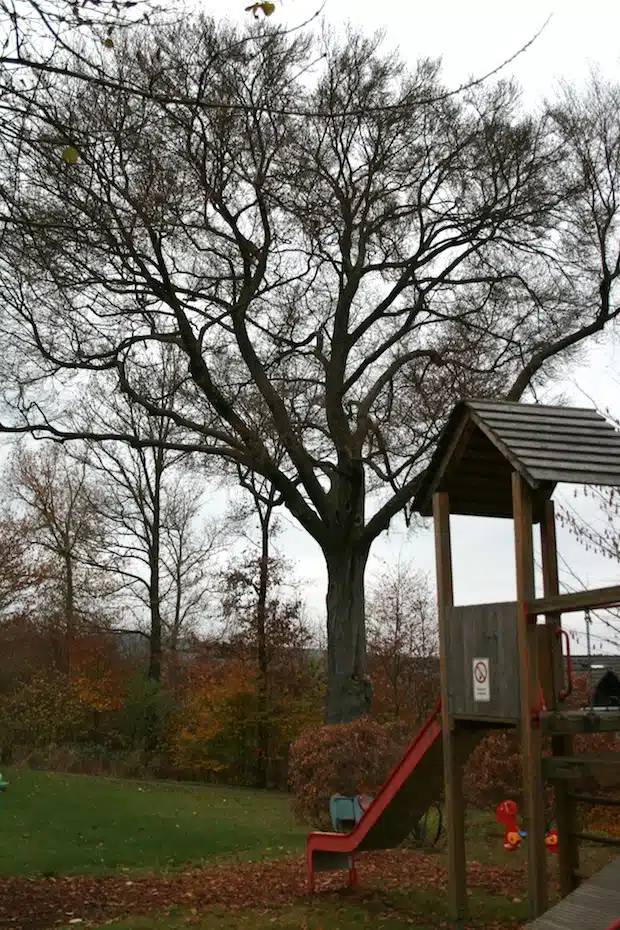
(485, 441)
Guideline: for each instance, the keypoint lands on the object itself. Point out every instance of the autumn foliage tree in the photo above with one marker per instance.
(215, 727)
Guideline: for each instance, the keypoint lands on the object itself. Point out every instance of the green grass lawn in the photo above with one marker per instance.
(70, 824)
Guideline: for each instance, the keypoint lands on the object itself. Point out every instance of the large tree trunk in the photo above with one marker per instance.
(69, 611)
(263, 661)
(348, 689)
(155, 637)
(155, 643)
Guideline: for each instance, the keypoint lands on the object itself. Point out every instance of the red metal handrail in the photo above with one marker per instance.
(569, 665)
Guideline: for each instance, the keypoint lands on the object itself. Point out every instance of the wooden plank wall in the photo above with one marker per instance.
(483, 631)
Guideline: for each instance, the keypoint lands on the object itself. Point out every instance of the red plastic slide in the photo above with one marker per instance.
(412, 786)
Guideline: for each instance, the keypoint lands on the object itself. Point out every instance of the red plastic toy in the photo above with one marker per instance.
(551, 841)
(506, 814)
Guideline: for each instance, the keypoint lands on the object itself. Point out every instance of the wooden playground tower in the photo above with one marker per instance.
(500, 666)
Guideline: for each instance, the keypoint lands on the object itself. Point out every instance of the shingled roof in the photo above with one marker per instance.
(484, 441)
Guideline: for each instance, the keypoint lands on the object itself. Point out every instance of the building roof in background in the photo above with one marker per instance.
(598, 663)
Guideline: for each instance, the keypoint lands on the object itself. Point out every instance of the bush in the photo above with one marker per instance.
(493, 771)
(145, 720)
(222, 732)
(41, 712)
(344, 758)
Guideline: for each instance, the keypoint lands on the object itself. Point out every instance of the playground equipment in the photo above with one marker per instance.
(506, 814)
(500, 667)
(346, 812)
(595, 905)
(411, 788)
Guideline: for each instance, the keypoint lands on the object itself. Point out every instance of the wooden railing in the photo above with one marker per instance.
(579, 600)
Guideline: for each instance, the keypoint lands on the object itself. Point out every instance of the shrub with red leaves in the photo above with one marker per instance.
(494, 771)
(344, 758)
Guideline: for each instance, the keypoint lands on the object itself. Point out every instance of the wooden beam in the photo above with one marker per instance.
(602, 841)
(562, 743)
(551, 588)
(604, 769)
(549, 551)
(579, 600)
(596, 800)
(449, 460)
(453, 737)
(567, 722)
(530, 698)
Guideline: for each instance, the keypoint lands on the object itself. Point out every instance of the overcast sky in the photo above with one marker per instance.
(472, 37)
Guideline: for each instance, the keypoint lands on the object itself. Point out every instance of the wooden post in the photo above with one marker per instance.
(453, 754)
(561, 745)
(530, 699)
(551, 586)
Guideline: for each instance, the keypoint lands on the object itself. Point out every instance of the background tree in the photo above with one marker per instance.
(190, 548)
(157, 543)
(59, 504)
(403, 643)
(263, 616)
(336, 261)
(21, 575)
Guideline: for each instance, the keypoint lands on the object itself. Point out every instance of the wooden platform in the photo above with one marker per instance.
(595, 905)
(580, 721)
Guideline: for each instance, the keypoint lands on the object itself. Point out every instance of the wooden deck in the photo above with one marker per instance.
(595, 905)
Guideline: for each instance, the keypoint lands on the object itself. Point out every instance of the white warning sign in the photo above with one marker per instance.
(482, 680)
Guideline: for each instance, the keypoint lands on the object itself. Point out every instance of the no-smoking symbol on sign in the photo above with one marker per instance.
(482, 685)
(481, 671)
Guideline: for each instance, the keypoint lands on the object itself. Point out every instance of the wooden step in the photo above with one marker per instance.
(595, 905)
(580, 721)
(602, 769)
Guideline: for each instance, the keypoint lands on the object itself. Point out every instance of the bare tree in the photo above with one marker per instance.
(158, 546)
(22, 575)
(190, 544)
(335, 260)
(59, 504)
(599, 528)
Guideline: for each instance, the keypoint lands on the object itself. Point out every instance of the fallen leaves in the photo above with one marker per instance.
(37, 903)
